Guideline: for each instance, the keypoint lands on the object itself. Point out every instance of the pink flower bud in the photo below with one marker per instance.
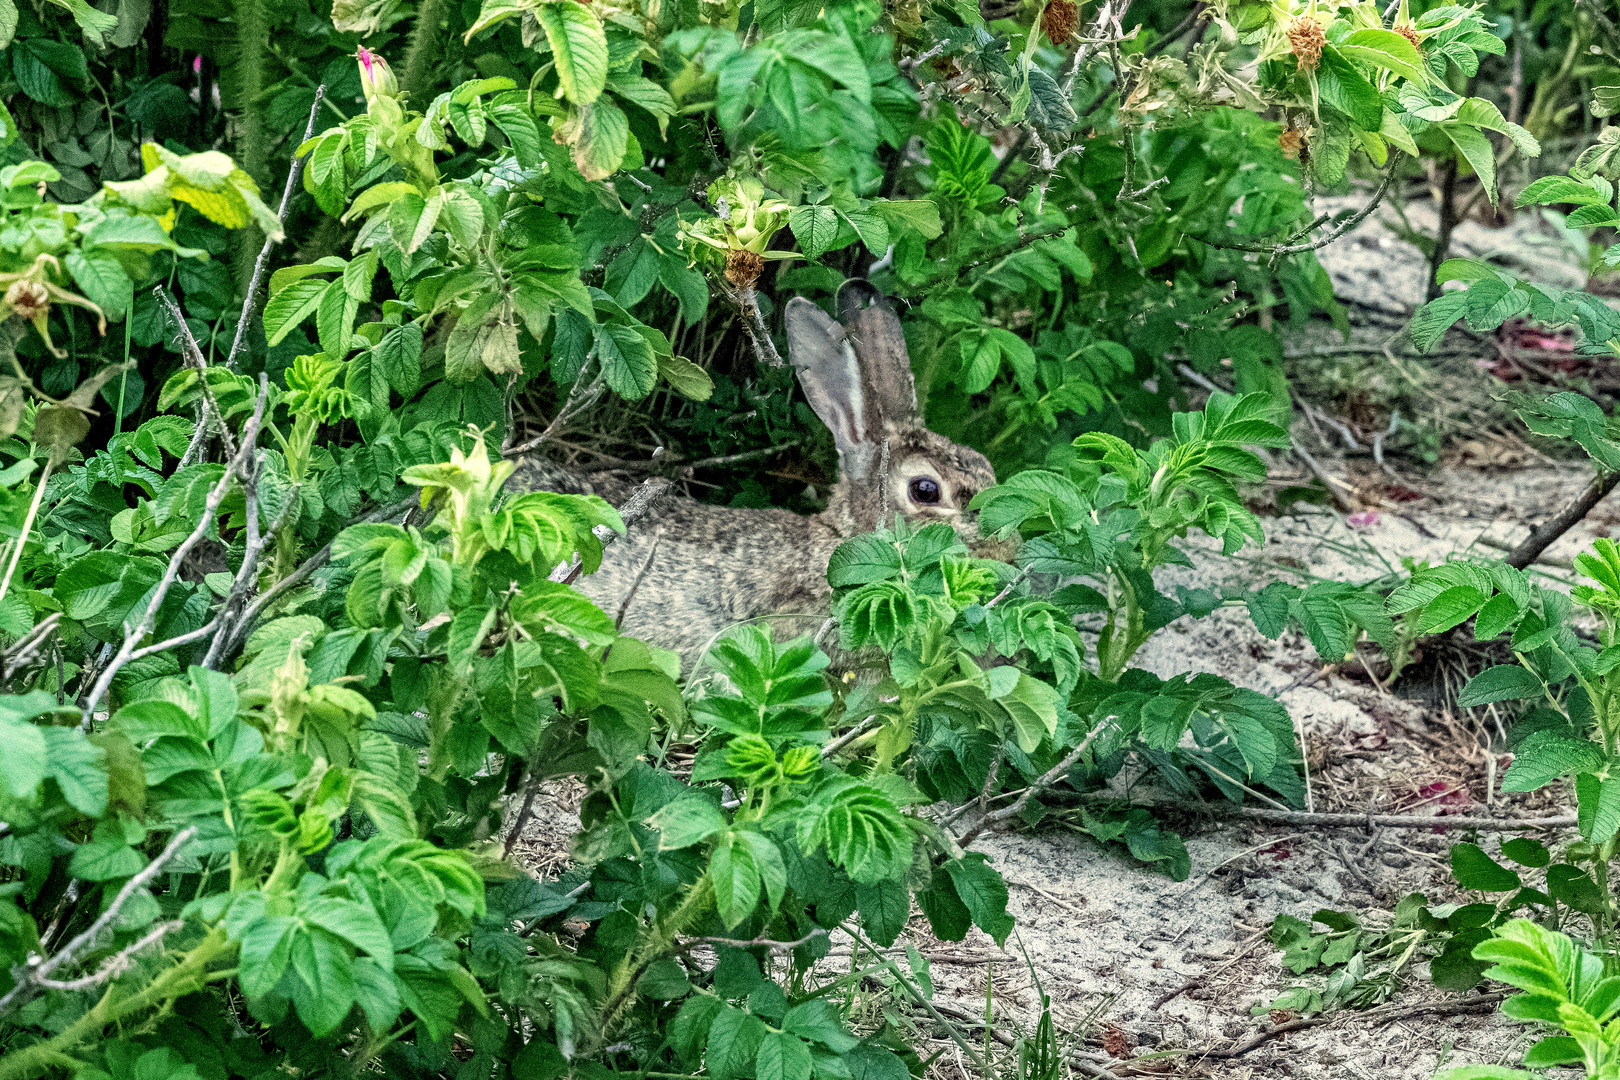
(376, 78)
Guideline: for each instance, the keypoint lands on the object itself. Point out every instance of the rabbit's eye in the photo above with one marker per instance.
(924, 490)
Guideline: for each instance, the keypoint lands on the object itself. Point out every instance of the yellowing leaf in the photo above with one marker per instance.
(598, 135)
(578, 47)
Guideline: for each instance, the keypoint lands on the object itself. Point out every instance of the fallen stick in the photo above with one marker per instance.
(1353, 821)
(1376, 1016)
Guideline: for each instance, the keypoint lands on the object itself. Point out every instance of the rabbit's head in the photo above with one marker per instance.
(856, 375)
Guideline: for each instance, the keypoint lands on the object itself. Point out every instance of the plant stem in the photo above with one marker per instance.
(27, 527)
(420, 54)
(1448, 223)
(659, 941)
(184, 978)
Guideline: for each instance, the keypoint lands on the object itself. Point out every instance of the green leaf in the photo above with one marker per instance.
(1504, 682)
(1033, 707)
(689, 380)
(599, 137)
(884, 906)
(1432, 320)
(399, 358)
(690, 819)
(106, 858)
(1546, 756)
(291, 306)
(983, 892)
(1343, 87)
(1478, 152)
(628, 364)
(645, 93)
(815, 226)
(863, 559)
(782, 1057)
(1573, 886)
(578, 47)
(353, 921)
(1526, 852)
(79, 769)
(1549, 190)
(665, 980)
(1598, 802)
(734, 1041)
(736, 880)
(1388, 50)
(1474, 869)
(102, 279)
(22, 747)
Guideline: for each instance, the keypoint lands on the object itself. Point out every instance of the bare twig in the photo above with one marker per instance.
(234, 470)
(746, 301)
(117, 964)
(26, 649)
(1007, 590)
(581, 396)
(192, 353)
(1294, 244)
(293, 173)
(849, 736)
(1376, 1016)
(29, 975)
(1181, 30)
(525, 812)
(663, 461)
(244, 626)
(1349, 821)
(1572, 513)
(1077, 1059)
(1046, 780)
(646, 564)
(763, 940)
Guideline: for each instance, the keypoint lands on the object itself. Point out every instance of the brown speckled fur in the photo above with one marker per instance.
(717, 566)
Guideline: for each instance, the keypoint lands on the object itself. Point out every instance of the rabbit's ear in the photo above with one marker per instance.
(874, 329)
(831, 377)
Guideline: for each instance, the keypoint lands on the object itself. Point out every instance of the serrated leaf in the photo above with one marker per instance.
(579, 49)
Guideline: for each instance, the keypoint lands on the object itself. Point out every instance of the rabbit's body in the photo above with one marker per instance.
(716, 566)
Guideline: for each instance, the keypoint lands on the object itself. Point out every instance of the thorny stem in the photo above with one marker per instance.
(1294, 244)
(746, 301)
(658, 941)
(420, 53)
(184, 978)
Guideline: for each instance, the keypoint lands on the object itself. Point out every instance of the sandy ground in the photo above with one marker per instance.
(1139, 965)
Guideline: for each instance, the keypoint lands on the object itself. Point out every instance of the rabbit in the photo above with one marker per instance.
(717, 566)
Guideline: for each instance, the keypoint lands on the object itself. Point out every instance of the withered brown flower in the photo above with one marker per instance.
(1306, 37)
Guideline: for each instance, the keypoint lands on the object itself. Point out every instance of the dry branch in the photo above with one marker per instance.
(1376, 1016)
(633, 509)
(1544, 535)
(1047, 779)
(236, 469)
(294, 171)
(1348, 821)
(746, 301)
(34, 974)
